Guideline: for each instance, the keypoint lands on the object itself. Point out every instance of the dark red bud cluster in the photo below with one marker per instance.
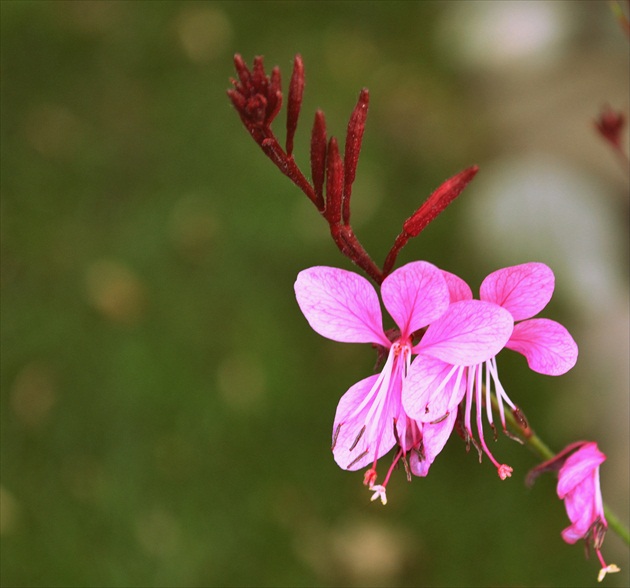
(257, 98)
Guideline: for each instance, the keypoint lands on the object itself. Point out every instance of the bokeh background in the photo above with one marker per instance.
(166, 410)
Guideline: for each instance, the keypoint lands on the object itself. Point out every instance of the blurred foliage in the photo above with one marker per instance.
(166, 411)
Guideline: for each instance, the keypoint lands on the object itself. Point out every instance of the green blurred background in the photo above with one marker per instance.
(166, 410)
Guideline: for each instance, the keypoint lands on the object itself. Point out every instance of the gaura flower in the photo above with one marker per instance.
(523, 290)
(579, 487)
(343, 306)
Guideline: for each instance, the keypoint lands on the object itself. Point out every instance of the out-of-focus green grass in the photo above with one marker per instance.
(166, 411)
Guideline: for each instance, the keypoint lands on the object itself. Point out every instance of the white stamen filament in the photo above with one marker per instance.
(500, 392)
(489, 415)
(368, 398)
(445, 381)
(374, 415)
(470, 384)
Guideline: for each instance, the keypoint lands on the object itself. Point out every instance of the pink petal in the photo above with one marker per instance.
(578, 467)
(425, 396)
(582, 508)
(573, 533)
(377, 437)
(415, 295)
(524, 289)
(457, 288)
(547, 345)
(469, 332)
(434, 437)
(340, 305)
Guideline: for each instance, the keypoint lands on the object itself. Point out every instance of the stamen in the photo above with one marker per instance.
(398, 455)
(374, 413)
(358, 458)
(504, 471)
(513, 437)
(369, 477)
(488, 390)
(469, 401)
(444, 382)
(610, 569)
(357, 439)
(334, 443)
(407, 470)
(522, 423)
(597, 533)
(375, 388)
(420, 451)
(379, 492)
(396, 436)
(476, 446)
(442, 418)
(521, 419)
(500, 393)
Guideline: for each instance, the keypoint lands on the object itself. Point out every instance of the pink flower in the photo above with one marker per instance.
(578, 486)
(523, 290)
(343, 306)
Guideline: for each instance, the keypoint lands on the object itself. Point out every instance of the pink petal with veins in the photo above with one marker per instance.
(415, 295)
(427, 395)
(546, 344)
(352, 448)
(469, 332)
(578, 486)
(580, 505)
(578, 467)
(524, 289)
(340, 305)
(457, 289)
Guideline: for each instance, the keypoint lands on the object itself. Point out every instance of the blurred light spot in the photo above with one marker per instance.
(362, 552)
(204, 32)
(496, 34)
(241, 382)
(53, 131)
(8, 512)
(542, 209)
(34, 394)
(193, 227)
(115, 291)
(158, 533)
(370, 552)
(91, 16)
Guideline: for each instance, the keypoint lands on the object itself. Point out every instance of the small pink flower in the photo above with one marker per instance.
(523, 290)
(343, 306)
(578, 486)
